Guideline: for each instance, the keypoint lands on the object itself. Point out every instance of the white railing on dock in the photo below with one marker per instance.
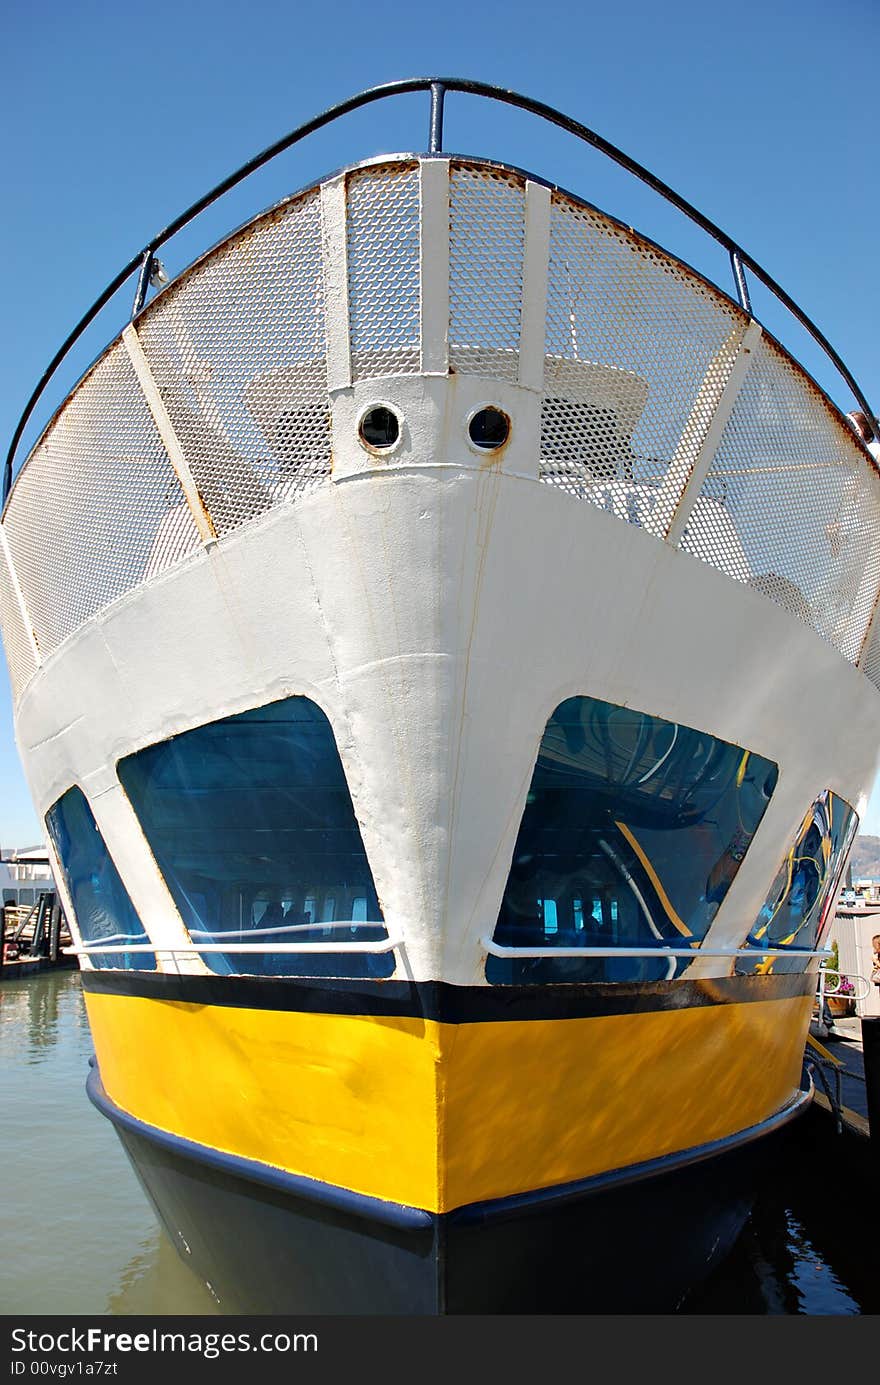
(835, 993)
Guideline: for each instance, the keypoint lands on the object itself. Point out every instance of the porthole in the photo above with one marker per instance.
(379, 428)
(489, 428)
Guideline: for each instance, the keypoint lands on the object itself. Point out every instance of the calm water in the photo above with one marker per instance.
(77, 1235)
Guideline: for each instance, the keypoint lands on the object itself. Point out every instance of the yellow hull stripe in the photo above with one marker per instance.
(439, 1115)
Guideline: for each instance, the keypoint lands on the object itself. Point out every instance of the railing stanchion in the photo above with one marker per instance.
(143, 283)
(742, 288)
(435, 130)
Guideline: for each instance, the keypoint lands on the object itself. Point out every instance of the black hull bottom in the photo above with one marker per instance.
(616, 1245)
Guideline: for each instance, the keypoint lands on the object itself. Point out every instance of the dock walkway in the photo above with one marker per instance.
(845, 1043)
(14, 969)
(845, 1049)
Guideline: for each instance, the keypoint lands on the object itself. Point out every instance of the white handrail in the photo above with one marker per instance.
(380, 945)
(286, 928)
(119, 942)
(497, 950)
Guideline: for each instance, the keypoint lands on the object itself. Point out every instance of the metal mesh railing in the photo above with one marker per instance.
(383, 271)
(486, 247)
(237, 350)
(20, 659)
(98, 508)
(638, 352)
(804, 500)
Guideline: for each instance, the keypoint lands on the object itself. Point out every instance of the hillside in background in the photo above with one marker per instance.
(865, 858)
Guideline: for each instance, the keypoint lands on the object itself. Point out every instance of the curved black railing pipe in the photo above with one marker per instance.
(437, 87)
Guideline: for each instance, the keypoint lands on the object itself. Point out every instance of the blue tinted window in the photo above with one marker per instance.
(252, 825)
(646, 820)
(801, 898)
(102, 908)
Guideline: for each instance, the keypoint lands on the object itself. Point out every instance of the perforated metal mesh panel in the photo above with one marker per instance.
(804, 499)
(638, 354)
(383, 271)
(237, 350)
(657, 346)
(487, 237)
(98, 508)
(870, 660)
(19, 651)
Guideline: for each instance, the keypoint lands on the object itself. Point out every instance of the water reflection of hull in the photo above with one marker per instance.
(155, 1280)
(794, 1258)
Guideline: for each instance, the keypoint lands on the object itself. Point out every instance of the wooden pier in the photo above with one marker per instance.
(33, 940)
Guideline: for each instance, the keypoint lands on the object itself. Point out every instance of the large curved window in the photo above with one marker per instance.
(801, 899)
(102, 907)
(633, 831)
(252, 825)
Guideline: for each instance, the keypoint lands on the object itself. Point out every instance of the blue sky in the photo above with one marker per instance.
(116, 116)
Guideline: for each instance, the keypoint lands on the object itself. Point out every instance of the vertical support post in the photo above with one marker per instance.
(871, 1054)
(143, 283)
(694, 455)
(821, 996)
(742, 288)
(54, 929)
(536, 260)
(2, 936)
(6, 555)
(434, 265)
(863, 612)
(165, 429)
(334, 246)
(435, 128)
(152, 900)
(38, 942)
(870, 630)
